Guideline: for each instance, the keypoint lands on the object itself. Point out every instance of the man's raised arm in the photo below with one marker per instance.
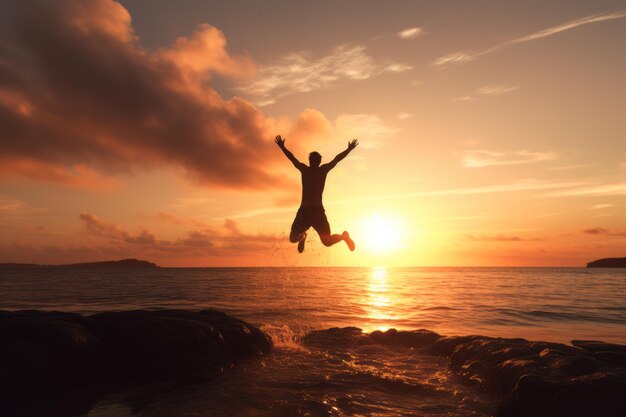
(351, 145)
(281, 144)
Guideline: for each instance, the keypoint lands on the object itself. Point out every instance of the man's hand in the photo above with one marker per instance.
(352, 144)
(279, 141)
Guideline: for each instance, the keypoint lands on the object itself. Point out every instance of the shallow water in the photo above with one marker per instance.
(555, 304)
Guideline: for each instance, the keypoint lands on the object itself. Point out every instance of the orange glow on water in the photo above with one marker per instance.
(380, 300)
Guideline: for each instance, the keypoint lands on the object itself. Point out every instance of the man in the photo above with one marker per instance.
(311, 212)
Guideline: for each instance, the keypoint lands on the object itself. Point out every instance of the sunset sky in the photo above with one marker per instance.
(492, 132)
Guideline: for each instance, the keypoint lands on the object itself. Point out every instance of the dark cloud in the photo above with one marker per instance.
(602, 231)
(82, 101)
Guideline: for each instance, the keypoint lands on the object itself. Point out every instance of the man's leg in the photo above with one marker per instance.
(322, 227)
(298, 231)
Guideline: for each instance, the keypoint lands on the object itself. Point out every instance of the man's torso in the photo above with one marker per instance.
(313, 181)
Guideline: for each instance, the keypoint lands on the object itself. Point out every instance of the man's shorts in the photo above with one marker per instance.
(310, 216)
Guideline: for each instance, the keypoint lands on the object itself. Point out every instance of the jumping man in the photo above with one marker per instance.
(311, 212)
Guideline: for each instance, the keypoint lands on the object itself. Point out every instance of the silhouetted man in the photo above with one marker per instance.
(311, 212)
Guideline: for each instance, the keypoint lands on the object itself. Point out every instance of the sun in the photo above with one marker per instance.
(381, 234)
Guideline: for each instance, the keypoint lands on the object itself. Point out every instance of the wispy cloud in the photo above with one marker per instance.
(468, 56)
(455, 58)
(403, 116)
(488, 90)
(601, 206)
(497, 90)
(411, 33)
(591, 190)
(369, 128)
(485, 158)
(14, 209)
(463, 98)
(299, 73)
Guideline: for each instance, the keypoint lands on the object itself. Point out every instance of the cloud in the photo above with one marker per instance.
(78, 175)
(602, 231)
(468, 56)
(488, 90)
(299, 73)
(411, 33)
(455, 58)
(97, 227)
(601, 206)
(370, 129)
(485, 158)
(312, 130)
(403, 116)
(463, 98)
(591, 190)
(12, 209)
(497, 90)
(501, 238)
(83, 102)
(227, 240)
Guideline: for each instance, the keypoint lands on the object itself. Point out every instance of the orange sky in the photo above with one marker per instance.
(491, 133)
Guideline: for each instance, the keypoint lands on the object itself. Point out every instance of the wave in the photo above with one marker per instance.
(564, 316)
(534, 378)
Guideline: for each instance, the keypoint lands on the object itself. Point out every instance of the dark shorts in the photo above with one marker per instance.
(310, 216)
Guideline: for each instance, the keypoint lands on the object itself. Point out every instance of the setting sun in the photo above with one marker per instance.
(381, 234)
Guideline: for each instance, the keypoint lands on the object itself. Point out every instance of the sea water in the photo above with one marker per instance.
(553, 304)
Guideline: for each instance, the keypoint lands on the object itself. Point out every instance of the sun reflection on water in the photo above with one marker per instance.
(380, 301)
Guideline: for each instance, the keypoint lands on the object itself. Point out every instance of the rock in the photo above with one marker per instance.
(39, 350)
(535, 379)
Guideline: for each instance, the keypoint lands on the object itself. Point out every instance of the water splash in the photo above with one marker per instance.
(283, 338)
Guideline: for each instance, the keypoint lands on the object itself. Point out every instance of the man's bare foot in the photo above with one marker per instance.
(348, 240)
(301, 244)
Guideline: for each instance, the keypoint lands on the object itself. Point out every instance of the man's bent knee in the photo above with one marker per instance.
(295, 237)
(326, 240)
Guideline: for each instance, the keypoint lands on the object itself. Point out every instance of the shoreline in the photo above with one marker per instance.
(41, 350)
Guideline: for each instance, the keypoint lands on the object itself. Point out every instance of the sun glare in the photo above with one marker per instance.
(381, 234)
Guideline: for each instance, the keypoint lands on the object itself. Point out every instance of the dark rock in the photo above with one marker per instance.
(39, 350)
(415, 339)
(535, 379)
(335, 337)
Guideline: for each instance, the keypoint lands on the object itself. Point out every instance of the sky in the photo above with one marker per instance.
(491, 133)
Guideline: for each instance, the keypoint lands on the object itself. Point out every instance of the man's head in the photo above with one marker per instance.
(315, 159)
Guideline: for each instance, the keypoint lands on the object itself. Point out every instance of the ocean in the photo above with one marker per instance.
(551, 304)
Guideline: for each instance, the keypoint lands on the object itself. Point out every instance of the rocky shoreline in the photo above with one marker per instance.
(44, 351)
(52, 353)
(534, 378)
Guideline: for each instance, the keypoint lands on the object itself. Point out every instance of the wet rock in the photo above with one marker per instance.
(535, 379)
(415, 339)
(335, 337)
(40, 350)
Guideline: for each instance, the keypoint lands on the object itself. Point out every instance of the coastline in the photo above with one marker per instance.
(63, 351)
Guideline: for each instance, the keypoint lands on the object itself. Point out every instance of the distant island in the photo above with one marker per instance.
(123, 263)
(608, 263)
